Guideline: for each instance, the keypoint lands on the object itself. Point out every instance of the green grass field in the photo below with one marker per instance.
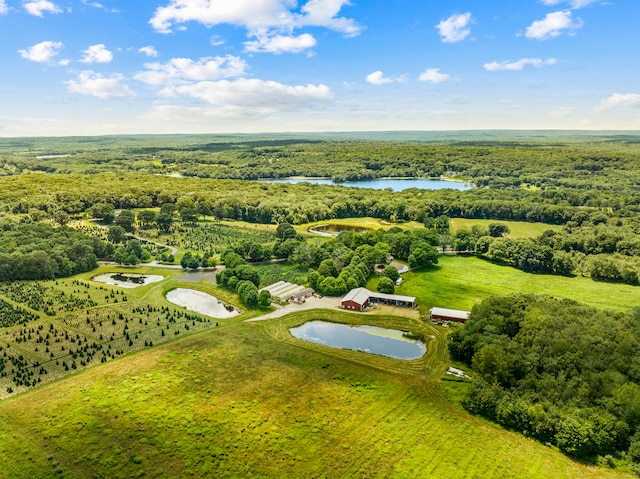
(247, 400)
(460, 282)
(518, 229)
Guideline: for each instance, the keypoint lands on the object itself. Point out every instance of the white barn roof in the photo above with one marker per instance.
(450, 313)
(357, 295)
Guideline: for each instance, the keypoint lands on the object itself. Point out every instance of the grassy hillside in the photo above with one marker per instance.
(461, 282)
(247, 400)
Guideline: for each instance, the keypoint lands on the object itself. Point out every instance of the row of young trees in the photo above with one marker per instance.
(556, 370)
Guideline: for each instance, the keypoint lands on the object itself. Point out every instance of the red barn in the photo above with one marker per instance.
(356, 300)
(444, 314)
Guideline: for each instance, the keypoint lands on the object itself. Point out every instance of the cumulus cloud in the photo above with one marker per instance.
(42, 52)
(575, 4)
(433, 75)
(518, 65)
(553, 25)
(39, 7)
(254, 93)
(181, 70)
(3, 7)
(281, 44)
(378, 78)
(101, 86)
(255, 16)
(455, 28)
(97, 54)
(148, 51)
(620, 100)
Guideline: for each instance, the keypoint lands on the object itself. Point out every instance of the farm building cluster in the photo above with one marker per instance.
(359, 299)
(283, 292)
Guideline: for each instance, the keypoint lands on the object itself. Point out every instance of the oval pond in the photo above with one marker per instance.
(200, 302)
(369, 339)
(127, 280)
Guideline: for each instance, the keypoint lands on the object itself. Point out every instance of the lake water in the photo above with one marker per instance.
(200, 302)
(369, 339)
(396, 184)
(127, 280)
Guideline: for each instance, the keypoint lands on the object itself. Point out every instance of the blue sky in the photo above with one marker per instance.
(84, 67)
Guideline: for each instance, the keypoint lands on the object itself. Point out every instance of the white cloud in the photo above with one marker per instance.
(564, 112)
(216, 41)
(97, 54)
(99, 5)
(198, 115)
(254, 93)
(575, 4)
(3, 7)
(518, 65)
(433, 75)
(38, 7)
(42, 52)
(620, 100)
(148, 51)
(255, 16)
(281, 44)
(323, 13)
(455, 28)
(96, 84)
(552, 25)
(181, 70)
(378, 78)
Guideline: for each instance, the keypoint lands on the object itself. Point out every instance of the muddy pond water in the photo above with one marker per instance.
(127, 280)
(202, 303)
(391, 343)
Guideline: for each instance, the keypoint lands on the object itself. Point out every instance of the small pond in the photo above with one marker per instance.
(202, 303)
(127, 280)
(396, 184)
(369, 339)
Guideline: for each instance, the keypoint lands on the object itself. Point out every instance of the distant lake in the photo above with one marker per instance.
(396, 184)
(368, 339)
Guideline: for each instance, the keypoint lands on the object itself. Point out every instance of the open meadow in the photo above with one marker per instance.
(248, 400)
(459, 282)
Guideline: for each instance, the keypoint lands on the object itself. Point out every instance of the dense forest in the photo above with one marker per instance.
(556, 370)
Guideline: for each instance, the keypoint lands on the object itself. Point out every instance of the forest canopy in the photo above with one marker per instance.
(559, 371)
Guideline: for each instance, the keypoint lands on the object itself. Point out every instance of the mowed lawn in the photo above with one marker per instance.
(460, 282)
(240, 401)
(517, 229)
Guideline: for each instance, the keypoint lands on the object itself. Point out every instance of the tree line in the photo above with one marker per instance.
(556, 370)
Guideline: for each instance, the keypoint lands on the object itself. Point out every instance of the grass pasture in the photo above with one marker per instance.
(460, 282)
(250, 401)
(517, 229)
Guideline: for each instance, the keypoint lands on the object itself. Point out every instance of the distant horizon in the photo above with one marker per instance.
(86, 68)
(524, 132)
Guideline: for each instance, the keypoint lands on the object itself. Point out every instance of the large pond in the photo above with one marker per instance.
(396, 184)
(369, 339)
(127, 280)
(202, 303)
